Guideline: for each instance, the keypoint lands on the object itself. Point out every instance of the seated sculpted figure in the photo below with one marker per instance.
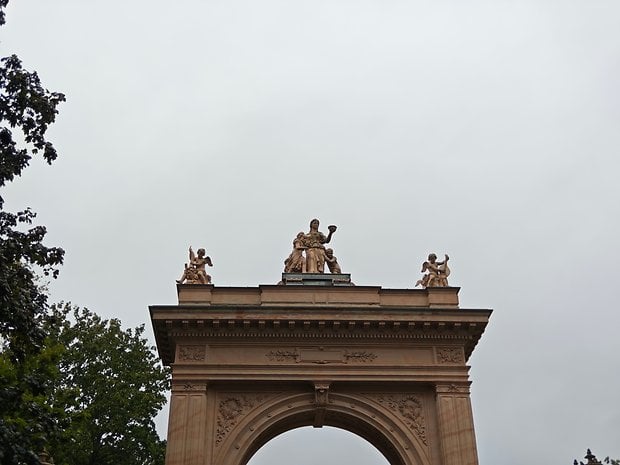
(436, 272)
(296, 262)
(315, 250)
(195, 272)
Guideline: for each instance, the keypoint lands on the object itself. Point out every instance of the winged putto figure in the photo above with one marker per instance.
(436, 272)
(195, 272)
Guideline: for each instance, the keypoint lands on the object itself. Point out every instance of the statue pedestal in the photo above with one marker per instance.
(316, 279)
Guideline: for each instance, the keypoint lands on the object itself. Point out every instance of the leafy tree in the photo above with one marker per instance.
(592, 460)
(27, 418)
(105, 380)
(27, 363)
(27, 108)
(111, 386)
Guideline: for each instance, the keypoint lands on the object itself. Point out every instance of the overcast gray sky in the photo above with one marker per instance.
(488, 130)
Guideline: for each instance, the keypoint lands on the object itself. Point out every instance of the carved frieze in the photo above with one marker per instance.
(192, 353)
(231, 409)
(320, 355)
(359, 356)
(282, 355)
(450, 355)
(410, 408)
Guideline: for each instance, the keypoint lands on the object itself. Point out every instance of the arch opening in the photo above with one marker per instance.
(352, 425)
(329, 445)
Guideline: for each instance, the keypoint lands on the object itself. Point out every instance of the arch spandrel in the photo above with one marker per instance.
(373, 415)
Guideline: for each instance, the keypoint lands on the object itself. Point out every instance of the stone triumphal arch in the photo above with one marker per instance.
(387, 364)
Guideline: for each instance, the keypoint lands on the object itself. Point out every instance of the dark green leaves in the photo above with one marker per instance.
(111, 385)
(26, 105)
(28, 362)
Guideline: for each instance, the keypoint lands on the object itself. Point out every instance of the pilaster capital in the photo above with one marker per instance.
(452, 388)
(188, 387)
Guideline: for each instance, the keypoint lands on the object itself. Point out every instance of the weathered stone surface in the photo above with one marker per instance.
(251, 363)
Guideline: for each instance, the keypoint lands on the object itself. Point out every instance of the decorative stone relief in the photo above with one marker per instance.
(192, 353)
(282, 355)
(320, 355)
(409, 407)
(359, 356)
(452, 389)
(187, 387)
(447, 355)
(231, 409)
(321, 393)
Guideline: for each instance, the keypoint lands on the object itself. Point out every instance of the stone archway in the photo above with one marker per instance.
(251, 363)
(329, 445)
(367, 415)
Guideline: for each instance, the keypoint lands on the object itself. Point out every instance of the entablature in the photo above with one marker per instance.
(315, 315)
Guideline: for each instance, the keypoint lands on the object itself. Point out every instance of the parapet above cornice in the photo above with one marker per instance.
(278, 295)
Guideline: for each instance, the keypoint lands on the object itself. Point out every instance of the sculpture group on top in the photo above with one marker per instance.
(309, 254)
(195, 272)
(436, 272)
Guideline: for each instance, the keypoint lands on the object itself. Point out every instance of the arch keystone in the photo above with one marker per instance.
(321, 398)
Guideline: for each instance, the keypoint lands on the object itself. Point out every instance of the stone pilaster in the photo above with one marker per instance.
(456, 425)
(187, 424)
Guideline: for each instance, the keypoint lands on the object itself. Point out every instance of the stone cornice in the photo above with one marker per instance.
(172, 325)
(315, 314)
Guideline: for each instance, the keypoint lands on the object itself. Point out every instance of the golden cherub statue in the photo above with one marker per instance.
(195, 272)
(436, 272)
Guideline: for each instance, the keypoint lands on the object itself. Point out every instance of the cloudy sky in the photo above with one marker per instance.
(488, 130)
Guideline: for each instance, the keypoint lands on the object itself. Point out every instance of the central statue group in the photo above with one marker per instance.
(309, 254)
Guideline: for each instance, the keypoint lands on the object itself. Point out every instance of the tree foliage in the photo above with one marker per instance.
(28, 109)
(27, 363)
(592, 460)
(88, 390)
(27, 417)
(3, 4)
(111, 387)
(106, 381)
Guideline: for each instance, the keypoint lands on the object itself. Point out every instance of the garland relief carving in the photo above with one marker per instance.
(450, 355)
(231, 409)
(410, 409)
(321, 356)
(192, 353)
